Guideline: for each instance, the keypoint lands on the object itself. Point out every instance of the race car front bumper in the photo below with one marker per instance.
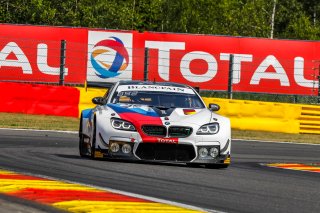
(187, 152)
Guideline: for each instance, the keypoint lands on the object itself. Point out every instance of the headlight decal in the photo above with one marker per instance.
(122, 124)
(209, 129)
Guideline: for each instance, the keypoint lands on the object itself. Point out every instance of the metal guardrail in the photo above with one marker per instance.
(310, 120)
(270, 116)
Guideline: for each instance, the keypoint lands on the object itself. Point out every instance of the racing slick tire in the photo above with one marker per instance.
(82, 145)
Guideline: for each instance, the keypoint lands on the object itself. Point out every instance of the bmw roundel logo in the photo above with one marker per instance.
(167, 123)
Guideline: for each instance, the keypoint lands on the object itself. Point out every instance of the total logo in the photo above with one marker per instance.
(115, 62)
(166, 140)
(109, 57)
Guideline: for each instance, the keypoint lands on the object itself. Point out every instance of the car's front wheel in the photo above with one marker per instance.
(82, 146)
(93, 144)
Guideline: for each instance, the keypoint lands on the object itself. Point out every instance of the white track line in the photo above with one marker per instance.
(235, 139)
(41, 130)
(260, 141)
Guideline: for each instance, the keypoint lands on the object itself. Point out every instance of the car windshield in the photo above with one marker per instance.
(158, 99)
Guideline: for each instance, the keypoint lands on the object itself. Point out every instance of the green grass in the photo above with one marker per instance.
(273, 136)
(43, 122)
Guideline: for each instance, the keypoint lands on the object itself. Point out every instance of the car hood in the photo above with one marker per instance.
(143, 114)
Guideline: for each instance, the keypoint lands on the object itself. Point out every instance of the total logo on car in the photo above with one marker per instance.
(154, 121)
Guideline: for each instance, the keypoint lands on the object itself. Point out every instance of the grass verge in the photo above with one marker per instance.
(276, 136)
(44, 122)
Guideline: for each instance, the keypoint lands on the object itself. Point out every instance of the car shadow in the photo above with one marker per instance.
(159, 163)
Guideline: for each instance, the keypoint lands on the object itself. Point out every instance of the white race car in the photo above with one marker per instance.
(155, 122)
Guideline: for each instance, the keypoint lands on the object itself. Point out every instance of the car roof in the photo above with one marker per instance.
(153, 83)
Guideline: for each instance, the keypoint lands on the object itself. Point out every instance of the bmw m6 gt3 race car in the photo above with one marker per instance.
(156, 122)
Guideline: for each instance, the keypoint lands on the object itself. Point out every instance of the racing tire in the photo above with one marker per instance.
(82, 147)
(93, 146)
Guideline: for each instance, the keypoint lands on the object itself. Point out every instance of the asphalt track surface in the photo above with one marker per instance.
(246, 186)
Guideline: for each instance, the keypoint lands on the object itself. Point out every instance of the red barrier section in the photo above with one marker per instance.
(39, 99)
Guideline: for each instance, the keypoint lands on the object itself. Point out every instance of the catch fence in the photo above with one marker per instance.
(292, 77)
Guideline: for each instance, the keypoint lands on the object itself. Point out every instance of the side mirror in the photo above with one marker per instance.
(98, 100)
(214, 107)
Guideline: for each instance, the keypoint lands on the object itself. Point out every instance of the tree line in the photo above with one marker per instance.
(285, 19)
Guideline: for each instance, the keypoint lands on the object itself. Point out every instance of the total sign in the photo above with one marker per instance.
(109, 56)
(259, 65)
(12, 55)
(34, 55)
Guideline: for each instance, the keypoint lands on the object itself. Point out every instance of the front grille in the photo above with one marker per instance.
(154, 130)
(167, 152)
(179, 131)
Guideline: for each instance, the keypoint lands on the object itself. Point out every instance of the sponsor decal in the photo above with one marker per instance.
(167, 140)
(13, 56)
(259, 65)
(155, 88)
(109, 56)
(35, 54)
(120, 62)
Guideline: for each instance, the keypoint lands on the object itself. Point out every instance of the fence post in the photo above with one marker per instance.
(146, 58)
(231, 59)
(62, 61)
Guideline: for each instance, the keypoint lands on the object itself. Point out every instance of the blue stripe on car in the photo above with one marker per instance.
(119, 109)
(86, 113)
